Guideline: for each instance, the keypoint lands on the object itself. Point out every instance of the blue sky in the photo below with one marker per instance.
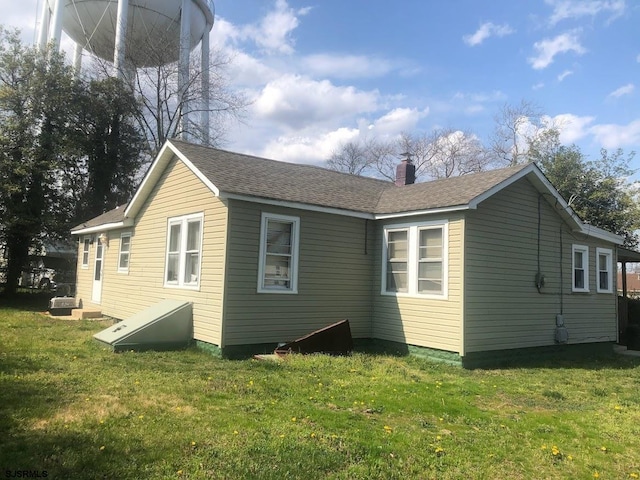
(323, 72)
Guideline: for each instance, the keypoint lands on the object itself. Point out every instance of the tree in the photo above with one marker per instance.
(37, 90)
(518, 129)
(105, 149)
(163, 108)
(600, 191)
(441, 153)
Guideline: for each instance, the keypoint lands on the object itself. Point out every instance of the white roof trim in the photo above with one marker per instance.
(127, 222)
(155, 171)
(430, 211)
(297, 205)
(601, 234)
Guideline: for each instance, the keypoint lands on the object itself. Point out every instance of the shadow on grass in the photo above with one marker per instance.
(30, 301)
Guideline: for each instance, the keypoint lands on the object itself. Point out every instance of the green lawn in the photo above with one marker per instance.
(75, 410)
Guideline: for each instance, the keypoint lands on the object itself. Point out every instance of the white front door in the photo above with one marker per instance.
(97, 274)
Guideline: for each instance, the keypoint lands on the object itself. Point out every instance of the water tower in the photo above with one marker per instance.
(135, 33)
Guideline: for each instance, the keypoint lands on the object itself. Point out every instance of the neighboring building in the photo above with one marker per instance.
(633, 284)
(268, 251)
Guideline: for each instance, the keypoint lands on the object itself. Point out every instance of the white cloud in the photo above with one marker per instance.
(398, 120)
(617, 136)
(638, 58)
(547, 49)
(564, 75)
(346, 66)
(624, 90)
(572, 127)
(295, 102)
(538, 86)
(311, 149)
(572, 9)
(485, 31)
(272, 34)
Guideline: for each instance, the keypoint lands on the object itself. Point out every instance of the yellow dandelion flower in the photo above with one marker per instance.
(101, 422)
(250, 382)
(617, 407)
(438, 437)
(555, 451)
(543, 447)
(179, 472)
(388, 429)
(140, 417)
(604, 449)
(294, 419)
(569, 457)
(235, 432)
(209, 378)
(596, 474)
(313, 435)
(439, 451)
(193, 444)
(102, 448)
(634, 475)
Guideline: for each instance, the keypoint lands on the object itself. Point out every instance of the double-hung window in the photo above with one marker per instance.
(415, 259)
(604, 266)
(86, 242)
(125, 251)
(184, 251)
(580, 268)
(278, 261)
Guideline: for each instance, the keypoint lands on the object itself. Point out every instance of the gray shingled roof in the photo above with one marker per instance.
(112, 216)
(241, 174)
(447, 192)
(257, 177)
(249, 176)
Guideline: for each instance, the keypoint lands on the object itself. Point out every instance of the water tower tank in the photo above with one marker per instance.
(153, 27)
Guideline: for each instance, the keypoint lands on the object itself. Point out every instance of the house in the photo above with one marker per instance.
(473, 267)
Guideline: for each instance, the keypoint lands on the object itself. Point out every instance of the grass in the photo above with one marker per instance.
(76, 410)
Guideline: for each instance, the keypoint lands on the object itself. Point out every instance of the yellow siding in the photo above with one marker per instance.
(334, 278)
(178, 192)
(503, 308)
(84, 275)
(432, 323)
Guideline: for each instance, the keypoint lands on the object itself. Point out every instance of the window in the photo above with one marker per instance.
(415, 260)
(125, 248)
(604, 265)
(580, 268)
(85, 252)
(278, 267)
(184, 240)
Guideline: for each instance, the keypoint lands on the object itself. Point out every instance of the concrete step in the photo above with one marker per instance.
(84, 313)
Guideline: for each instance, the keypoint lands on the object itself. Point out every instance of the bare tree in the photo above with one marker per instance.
(441, 153)
(164, 107)
(517, 128)
(350, 157)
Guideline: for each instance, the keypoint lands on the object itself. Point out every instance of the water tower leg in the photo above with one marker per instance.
(183, 67)
(204, 66)
(55, 31)
(121, 34)
(77, 60)
(45, 20)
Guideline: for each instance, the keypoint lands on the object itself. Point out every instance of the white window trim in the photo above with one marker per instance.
(295, 251)
(585, 260)
(128, 252)
(86, 241)
(183, 221)
(413, 247)
(609, 254)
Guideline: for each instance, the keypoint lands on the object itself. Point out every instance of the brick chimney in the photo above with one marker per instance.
(405, 171)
